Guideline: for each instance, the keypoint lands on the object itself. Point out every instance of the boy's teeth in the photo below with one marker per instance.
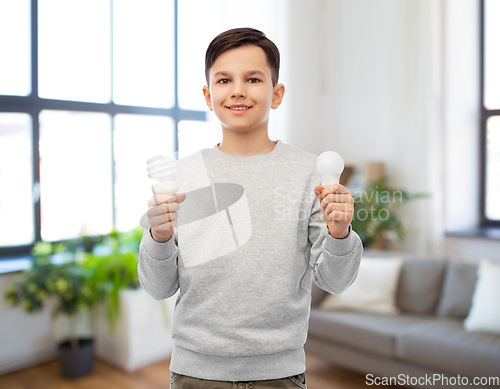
(239, 108)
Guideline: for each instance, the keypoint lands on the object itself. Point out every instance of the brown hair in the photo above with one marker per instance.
(236, 37)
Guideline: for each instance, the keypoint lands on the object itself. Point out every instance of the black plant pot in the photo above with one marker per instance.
(76, 363)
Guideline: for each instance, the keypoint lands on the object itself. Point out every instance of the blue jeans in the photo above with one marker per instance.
(179, 381)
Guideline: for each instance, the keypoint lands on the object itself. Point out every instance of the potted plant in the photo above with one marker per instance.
(375, 219)
(71, 284)
(129, 316)
(113, 263)
(96, 275)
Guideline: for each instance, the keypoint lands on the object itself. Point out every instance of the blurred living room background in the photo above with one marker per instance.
(407, 91)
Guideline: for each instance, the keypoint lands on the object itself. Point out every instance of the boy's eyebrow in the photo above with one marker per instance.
(249, 73)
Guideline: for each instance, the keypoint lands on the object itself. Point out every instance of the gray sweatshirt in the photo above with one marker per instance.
(249, 240)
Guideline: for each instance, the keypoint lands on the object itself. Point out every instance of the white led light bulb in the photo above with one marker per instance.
(163, 169)
(330, 166)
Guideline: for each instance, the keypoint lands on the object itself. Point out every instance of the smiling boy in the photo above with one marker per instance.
(243, 316)
(242, 92)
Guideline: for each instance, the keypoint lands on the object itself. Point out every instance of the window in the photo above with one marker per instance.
(91, 90)
(88, 94)
(490, 113)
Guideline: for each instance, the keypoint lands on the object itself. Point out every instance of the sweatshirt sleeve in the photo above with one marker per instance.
(335, 261)
(157, 268)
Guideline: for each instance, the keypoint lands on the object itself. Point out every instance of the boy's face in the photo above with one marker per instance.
(232, 83)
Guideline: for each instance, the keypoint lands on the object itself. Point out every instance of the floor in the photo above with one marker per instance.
(319, 374)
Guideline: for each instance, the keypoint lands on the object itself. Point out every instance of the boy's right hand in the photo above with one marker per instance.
(162, 215)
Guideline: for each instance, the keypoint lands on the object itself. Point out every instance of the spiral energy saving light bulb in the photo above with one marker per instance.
(330, 166)
(163, 169)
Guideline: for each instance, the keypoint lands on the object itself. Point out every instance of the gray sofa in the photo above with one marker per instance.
(427, 338)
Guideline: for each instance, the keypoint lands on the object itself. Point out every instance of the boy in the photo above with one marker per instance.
(245, 251)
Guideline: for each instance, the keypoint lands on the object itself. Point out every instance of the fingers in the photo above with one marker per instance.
(161, 223)
(162, 209)
(337, 198)
(330, 189)
(160, 198)
(336, 202)
(341, 212)
(335, 193)
(180, 197)
(162, 214)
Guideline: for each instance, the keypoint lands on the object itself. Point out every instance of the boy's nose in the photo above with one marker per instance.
(238, 89)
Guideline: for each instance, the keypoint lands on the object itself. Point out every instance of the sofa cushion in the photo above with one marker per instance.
(458, 287)
(444, 344)
(374, 290)
(420, 285)
(364, 331)
(484, 315)
(319, 294)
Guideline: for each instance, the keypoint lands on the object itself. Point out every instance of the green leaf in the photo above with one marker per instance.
(375, 211)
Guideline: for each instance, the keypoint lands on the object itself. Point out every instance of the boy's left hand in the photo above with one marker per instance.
(337, 206)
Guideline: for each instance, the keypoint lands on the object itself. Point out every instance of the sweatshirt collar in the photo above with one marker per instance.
(251, 159)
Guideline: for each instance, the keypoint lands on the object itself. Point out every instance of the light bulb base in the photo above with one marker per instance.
(167, 187)
(329, 179)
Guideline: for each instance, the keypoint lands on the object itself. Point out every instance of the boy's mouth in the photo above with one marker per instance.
(239, 107)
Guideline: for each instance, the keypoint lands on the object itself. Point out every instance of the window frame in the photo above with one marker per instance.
(485, 114)
(32, 104)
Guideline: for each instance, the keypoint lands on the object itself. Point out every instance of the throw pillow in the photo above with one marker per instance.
(374, 289)
(458, 288)
(420, 284)
(484, 314)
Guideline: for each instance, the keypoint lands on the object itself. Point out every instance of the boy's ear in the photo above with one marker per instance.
(208, 97)
(278, 93)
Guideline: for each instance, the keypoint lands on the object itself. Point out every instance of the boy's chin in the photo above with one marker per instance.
(239, 129)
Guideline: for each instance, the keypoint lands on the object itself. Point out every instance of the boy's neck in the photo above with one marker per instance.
(246, 147)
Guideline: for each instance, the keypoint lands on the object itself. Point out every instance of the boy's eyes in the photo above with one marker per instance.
(225, 79)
